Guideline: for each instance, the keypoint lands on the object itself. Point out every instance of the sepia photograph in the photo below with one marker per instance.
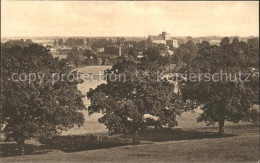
(129, 81)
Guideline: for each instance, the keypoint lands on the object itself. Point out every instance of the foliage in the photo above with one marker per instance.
(32, 110)
(186, 52)
(130, 104)
(101, 43)
(90, 58)
(73, 42)
(55, 43)
(60, 42)
(112, 50)
(22, 43)
(152, 54)
(75, 56)
(220, 101)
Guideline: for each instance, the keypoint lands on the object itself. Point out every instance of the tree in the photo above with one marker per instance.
(76, 56)
(74, 42)
(112, 50)
(130, 104)
(226, 100)
(152, 54)
(90, 57)
(101, 43)
(186, 52)
(55, 43)
(120, 40)
(13, 43)
(253, 56)
(39, 107)
(188, 38)
(28, 41)
(203, 46)
(132, 52)
(60, 42)
(141, 46)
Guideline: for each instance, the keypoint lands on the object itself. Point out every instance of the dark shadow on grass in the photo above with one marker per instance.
(91, 142)
(165, 134)
(75, 143)
(10, 149)
(83, 142)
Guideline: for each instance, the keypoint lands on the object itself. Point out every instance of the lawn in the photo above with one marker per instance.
(240, 144)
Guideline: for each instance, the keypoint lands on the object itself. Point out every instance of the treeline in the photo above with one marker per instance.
(110, 46)
(71, 42)
(21, 43)
(79, 56)
(186, 52)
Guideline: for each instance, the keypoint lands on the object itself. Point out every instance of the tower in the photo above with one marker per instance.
(163, 34)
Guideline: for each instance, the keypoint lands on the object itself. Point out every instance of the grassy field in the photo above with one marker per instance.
(189, 141)
(240, 144)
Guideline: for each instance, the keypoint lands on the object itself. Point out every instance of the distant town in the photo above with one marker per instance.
(82, 51)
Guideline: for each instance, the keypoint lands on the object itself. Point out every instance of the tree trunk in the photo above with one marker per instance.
(21, 138)
(20, 146)
(221, 127)
(136, 138)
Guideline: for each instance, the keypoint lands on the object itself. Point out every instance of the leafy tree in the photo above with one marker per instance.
(152, 54)
(130, 104)
(41, 107)
(188, 38)
(13, 43)
(253, 52)
(203, 46)
(101, 43)
(55, 43)
(112, 50)
(73, 42)
(226, 100)
(90, 57)
(186, 52)
(28, 41)
(141, 46)
(120, 40)
(75, 56)
(60, 42)
(132, 52)
(224, 41)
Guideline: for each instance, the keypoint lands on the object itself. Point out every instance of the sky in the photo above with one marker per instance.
(129, 18)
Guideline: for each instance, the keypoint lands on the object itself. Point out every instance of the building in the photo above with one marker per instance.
(163, 38)
(140, 55)
(100, 50)
(166, 51)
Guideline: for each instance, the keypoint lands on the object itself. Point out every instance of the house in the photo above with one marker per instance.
(140, 55)
(166, 51)
(100, 49)
(163, 38)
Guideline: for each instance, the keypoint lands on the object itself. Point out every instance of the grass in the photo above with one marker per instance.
(241, 143)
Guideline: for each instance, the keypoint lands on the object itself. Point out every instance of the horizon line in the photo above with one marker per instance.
(126, 36)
